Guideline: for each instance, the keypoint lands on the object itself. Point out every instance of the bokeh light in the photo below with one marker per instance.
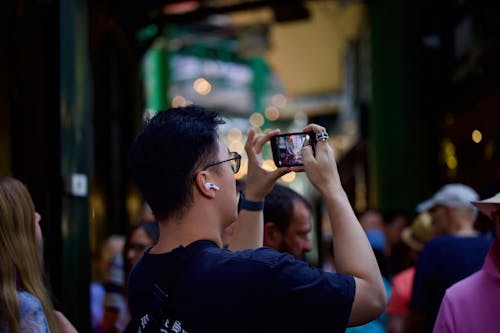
(202, 86)
(451, 162)
(256, 119)
(477, 136)
(272, 113)
(178, 101)
(237, 146)
(243, 169)
(279, 100)
(268, 165)
(289, 177)
(449, 156)
(489, 150)
(234, 134)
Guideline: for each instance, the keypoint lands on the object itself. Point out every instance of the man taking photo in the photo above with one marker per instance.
(188, 282)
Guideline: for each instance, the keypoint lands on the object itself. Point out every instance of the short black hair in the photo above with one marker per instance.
(278, 207)
(167, 153)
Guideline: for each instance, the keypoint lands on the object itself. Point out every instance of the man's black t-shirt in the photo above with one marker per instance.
(209, 289)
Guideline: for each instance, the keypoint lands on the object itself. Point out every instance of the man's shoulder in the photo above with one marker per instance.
(212, 259)
(256, 264)
(436, 248)
(465, 286)
(443, 240)
(451, 242)
(266, 261)
(264, 256)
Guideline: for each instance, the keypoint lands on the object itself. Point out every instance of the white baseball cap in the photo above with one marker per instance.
(451, 195)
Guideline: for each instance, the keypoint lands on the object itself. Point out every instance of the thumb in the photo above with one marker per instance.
(307, 155)
(280, 172)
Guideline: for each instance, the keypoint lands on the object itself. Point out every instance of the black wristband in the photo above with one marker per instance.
(253, 206)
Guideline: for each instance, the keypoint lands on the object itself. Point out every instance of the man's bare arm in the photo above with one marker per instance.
(353, 253)
(247, 232)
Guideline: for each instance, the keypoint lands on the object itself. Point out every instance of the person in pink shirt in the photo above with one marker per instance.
(473, 304)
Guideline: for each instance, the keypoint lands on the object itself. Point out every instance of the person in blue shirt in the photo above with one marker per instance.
(456, 252)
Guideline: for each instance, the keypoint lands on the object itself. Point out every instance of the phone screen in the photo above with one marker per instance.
(287, 148)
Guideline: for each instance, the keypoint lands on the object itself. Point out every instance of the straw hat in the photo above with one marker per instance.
(420, 231)
(488, 206)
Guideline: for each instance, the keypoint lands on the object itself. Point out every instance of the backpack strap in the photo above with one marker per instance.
(155, 319)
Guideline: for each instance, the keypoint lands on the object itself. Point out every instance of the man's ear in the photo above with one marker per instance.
(272, 235)
(200, 181)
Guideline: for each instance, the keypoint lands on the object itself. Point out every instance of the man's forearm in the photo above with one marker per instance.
(248, 231)
(353, 255)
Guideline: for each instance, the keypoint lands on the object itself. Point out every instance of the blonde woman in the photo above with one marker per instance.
(25, 304)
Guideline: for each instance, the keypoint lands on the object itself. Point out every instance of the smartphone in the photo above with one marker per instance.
(287, 148)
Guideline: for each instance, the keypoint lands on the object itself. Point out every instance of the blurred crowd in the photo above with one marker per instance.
(438, 272)
(418, 259)
(419, 256)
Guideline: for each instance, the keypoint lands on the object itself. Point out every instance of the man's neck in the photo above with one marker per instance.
(464, 228)
(192, 226)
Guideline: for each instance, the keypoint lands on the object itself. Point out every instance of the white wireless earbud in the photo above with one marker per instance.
(211, 186)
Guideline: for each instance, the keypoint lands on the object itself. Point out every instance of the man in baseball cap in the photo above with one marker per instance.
(451, 209)
(457, 252)
(471, 305)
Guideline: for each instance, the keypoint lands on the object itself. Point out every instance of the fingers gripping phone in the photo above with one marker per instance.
(287, 148)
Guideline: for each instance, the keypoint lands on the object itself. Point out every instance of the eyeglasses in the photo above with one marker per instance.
(235, 162)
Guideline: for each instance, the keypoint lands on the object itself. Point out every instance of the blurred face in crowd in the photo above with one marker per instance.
(371, 220)
(440, 219)
(295, 240)
(138, 244)
(394, 230)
